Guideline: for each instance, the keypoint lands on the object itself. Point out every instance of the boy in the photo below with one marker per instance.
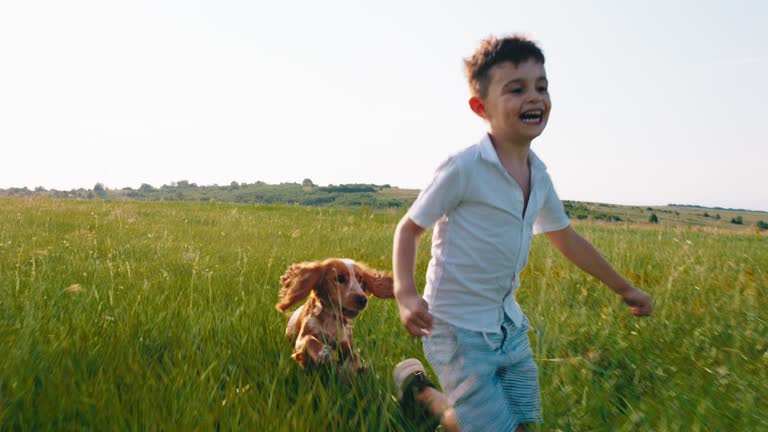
(486, 203)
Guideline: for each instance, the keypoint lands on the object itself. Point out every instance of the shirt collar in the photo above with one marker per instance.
(489, 153)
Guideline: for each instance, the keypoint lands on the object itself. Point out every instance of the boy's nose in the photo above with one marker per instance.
(534, 96)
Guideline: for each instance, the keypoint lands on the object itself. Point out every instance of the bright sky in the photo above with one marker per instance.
(654, 102)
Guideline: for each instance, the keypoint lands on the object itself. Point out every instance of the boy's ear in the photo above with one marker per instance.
(477, 106)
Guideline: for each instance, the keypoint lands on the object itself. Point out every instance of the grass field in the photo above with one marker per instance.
(160, 316)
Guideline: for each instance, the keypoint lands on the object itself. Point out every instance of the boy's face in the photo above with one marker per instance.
(517, 105)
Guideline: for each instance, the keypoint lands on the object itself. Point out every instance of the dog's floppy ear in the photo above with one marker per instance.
(298, 281)
(376, 282)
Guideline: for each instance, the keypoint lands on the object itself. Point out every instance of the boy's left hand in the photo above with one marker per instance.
(639, 303)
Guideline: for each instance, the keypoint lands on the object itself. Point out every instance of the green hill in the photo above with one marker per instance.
(386, 196)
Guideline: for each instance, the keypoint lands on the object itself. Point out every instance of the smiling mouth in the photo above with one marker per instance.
(532, 117)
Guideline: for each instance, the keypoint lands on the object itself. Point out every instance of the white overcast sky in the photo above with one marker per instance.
(654, 102)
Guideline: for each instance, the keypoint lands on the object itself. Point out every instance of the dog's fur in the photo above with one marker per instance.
(338, 290)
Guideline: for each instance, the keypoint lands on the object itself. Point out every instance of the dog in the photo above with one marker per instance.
(338, 290)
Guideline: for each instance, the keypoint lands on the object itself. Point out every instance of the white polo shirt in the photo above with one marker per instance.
(481, 239)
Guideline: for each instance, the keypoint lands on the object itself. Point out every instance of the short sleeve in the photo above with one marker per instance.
(441, 196)
(552, 216)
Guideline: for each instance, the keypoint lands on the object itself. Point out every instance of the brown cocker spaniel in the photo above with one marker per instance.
(338, 290)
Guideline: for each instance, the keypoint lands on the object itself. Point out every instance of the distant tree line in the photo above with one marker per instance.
(306, 193)
(309, 194)
(576, 210)
(715, 208)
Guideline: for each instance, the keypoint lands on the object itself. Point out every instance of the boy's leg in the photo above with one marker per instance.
(519, 379)
(466, 363)
(521, 390)
(440, 407)
(418, 395)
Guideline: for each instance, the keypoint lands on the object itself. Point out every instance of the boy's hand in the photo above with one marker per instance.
(414, 315)
(639, 303)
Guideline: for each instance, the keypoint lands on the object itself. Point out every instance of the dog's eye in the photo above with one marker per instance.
(341, 279)
(360, 280)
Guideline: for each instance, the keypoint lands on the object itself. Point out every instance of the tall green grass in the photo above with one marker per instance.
(160, 316)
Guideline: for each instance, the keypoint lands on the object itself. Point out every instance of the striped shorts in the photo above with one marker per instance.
(490, 378)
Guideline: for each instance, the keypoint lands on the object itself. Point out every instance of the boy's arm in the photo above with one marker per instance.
(581, 252)
(414, 313)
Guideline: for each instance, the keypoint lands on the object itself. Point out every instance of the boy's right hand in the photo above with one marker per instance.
(414, 315)
(639, 303)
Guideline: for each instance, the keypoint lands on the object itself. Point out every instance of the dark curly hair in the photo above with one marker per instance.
(492, 51)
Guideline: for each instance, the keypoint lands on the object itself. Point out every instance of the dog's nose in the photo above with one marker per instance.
(361, 301)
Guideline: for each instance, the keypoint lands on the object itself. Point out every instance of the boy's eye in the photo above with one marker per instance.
(341, 279)
(543, 89)
(516, 90)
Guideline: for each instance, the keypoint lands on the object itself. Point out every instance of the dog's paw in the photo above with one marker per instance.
(353, 364)
(324, 355)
